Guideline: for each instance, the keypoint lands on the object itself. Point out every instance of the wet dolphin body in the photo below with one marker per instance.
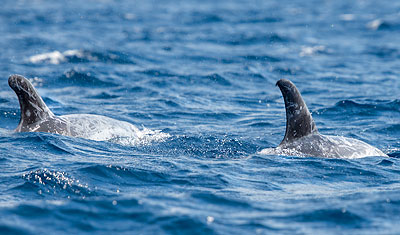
(37, 117)
(302, 136)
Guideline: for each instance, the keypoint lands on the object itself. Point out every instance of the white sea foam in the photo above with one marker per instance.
(308, 51)
(347, 17)
(375, 24)
(54, 57)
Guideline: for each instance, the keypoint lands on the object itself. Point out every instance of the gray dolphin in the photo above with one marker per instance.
(302, 136)
(37, 117)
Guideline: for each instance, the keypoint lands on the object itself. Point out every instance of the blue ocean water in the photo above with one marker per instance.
(204, 72)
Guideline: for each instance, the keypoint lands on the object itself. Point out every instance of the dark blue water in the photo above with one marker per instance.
(204, 72)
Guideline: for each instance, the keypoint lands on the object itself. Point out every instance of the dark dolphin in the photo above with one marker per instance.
(299, 122)
(302, 136)
(37, 117)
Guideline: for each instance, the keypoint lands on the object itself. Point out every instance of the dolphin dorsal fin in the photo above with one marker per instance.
(33, 109)
(299, 122)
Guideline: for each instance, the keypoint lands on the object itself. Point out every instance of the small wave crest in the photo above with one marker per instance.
(80, 56)
(349, 107)
(54, 182)
(247, 38)
(80, 78)
(204, 147)
(382, 24)
(313, 50)
(383, 52)
(335, 216)
(143, 137)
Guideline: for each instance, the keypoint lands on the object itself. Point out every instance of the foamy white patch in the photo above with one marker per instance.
(129, 16)
(308, 51)
(101, 128)
(347, 17)
(325, 146)
(143, 137)
(54, 57)
(375, 24)
(57, 202)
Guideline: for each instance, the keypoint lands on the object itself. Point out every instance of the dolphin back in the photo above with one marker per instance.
(299, 122)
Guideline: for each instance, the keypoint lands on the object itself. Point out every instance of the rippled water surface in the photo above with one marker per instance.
(203, 72)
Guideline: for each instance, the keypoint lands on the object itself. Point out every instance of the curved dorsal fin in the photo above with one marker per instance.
(299, 122)
(33, 109)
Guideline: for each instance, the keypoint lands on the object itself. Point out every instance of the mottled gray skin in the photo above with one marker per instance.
(303, 138)
(35, 115)
(299, 122)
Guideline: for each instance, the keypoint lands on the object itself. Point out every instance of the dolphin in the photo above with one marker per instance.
(37, 117)
(302, 137)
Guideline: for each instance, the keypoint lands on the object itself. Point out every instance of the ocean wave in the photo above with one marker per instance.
(263, 58)
(7, 227)
(382, 24)
(283, 70)
(51, 182)
(198, 18)
(213, 78)
(260, 18)
(51, 143)
(159, 73)
(167, 173)
(204, 147)
(391, 128)
(313, 50)
(74, 77)
(220, 200)
(334, 216)
(103, 96)
(383, 52)
(395, 153)
(247, 38)
(124, 175)
(350, 107)
(204, 80)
